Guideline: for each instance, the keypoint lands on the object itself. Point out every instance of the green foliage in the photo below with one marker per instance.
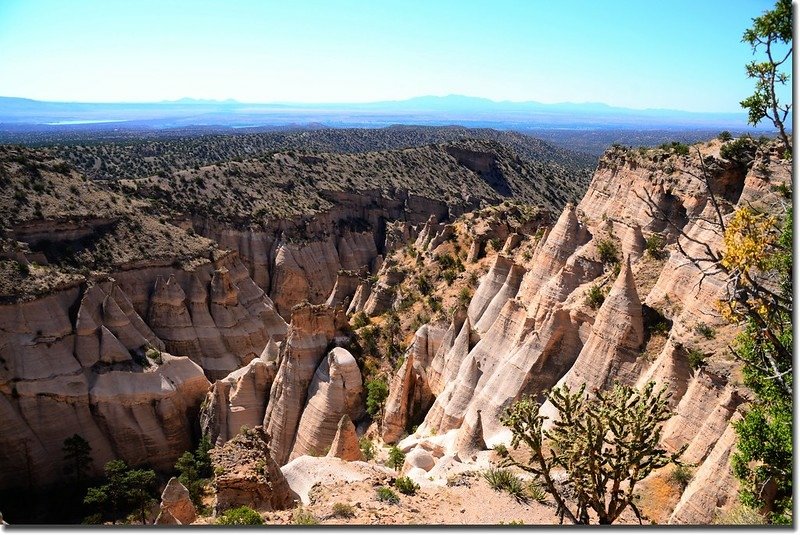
(607, 250)
(741, 151)
(406, 485)
(343, 510)
(500, 449)
(676, 147)
(705, 331)
(696, 358)
(424, 285)
(302, 517)
(504, 480)
(595, 296)
(155, 355)
(536, 492)
(724, 136)
(377, 392)
(772, 33)
(126, 490)
(240, 516)
(464, 296)
(740, 515)
(202, 458)
(77, 457)
(609, 441)
(367, 448)
(446, 261)
(449, 276)
(359, 319)
(385, 494)
(681, 475)
(654, 245)
(396, 457)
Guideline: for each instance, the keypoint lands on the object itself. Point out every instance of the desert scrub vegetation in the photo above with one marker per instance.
(705, 331)
(595, 296)
(592, 457)
(504, 480)
(303, 517)
(343, 510)
(385, 494)
(607, 251)
(240, 516)
(680, 475)
(406, 485)
(396, 458)
(367, 448)
(359, 320)
(654, 246)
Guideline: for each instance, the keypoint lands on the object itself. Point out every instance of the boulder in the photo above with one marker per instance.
(345, 443)
(176, 505)
(246, 474)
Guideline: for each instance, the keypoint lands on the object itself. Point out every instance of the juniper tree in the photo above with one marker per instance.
(606, 444)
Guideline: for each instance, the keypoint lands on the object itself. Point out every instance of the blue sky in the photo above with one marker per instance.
(679, 54)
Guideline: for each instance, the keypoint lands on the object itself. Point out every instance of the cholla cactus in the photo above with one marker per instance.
(606, 444)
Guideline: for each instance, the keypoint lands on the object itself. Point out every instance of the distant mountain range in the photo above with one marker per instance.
(426, 110)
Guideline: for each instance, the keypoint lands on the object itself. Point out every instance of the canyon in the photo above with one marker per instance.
(143, 313)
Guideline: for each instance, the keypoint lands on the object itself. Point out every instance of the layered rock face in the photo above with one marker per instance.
(298, 260)
(73, 362)
(240, 399)
(311, 330)
(529, 328)
(216, 314)
(246, 474)
(334, 392)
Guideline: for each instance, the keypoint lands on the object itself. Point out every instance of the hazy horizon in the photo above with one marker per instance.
(192, 99)
(687, 56)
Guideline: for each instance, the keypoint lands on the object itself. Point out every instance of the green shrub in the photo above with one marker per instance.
(301, 517)
(501, 450)
(396, 457)
(705, 331)
(607, 250)
(449, 276)
(406, 485)
(724, 136)
(155, 355)
(676, 147)
(445, 260)
(654, 245)
(424, 285)
(536, 492)
(464, 296)
(359, 320)
(681, 475)
(240, 516)
(377, 392)
(343, 510)
(696, 359)
(367, 448)
(385, 494)
(502, 479)
(741, 150)
(595, 297)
